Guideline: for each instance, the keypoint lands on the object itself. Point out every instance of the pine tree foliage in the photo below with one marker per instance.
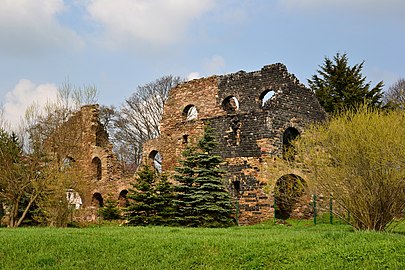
(110, 211)
(339, 86)
(150, 201)
(201, 197)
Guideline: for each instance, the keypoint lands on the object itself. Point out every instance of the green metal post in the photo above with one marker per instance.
(274, 207)
(331, 210)
(314, 204)
(237, 212)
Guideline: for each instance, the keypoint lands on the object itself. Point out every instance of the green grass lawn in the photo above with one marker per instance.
(264, 246)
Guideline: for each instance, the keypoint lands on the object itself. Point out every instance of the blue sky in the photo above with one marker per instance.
(118, 45)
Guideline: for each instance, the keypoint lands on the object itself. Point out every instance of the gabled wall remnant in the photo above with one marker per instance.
(83, 140)
(254, 115)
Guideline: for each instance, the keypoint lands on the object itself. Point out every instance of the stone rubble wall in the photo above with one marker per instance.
(246, 136)
(83, 138)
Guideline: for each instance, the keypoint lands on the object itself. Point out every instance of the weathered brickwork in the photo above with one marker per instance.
(83, 140)
(249, 130)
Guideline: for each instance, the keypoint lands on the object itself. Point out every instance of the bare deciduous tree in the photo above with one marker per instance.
(50, 136)
(395, 95)
(22, 180)
(139, 118)
(37, 175)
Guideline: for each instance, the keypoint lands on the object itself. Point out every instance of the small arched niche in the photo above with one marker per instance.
(97, 168)
(288, 190)
(156, 160)
(230, 104)
(289, 135)
(190, 112)
(97, 200)
(266, 96)
(122, 198)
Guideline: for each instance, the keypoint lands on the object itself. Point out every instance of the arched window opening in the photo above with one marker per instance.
(289, 135)
(97, 200)
(122, 198)
(265, 97)
(230, 104)
(190, 112)
(73, 199)
(287, 192)
(156, 160)
(101, 137)
(67, 163)
(97, 168)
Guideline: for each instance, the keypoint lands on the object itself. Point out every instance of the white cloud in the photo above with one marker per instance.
(24, 94)
(193, 75)
(154, 22)
(376, 7)
(214, 65)
(27, 27)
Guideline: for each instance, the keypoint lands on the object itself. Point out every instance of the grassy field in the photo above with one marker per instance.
(264, 246)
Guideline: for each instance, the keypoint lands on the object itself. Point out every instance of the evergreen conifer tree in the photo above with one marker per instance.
(151, 199)
(201, 197)
(339, 87)
(110, 211)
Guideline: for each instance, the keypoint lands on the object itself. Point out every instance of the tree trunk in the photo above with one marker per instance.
(32, 199)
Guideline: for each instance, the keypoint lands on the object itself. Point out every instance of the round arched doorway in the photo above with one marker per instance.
(288, 190)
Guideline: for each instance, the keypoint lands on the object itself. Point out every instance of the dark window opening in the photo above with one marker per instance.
(289, 135)
(97, 200)
(101, 137)
(185, 139)
(97, 169)
(236, 185)
(230, 104)
(122, 198)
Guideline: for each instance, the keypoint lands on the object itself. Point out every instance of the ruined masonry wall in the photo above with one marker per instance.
(203, 94)
(82, 138)
(247, 137)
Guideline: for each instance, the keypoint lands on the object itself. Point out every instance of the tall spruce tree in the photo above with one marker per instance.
(151, 200)
(201, 196)
(339, 86)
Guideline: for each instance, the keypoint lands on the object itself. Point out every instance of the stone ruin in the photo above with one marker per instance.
(82, 140)
(255, 116)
